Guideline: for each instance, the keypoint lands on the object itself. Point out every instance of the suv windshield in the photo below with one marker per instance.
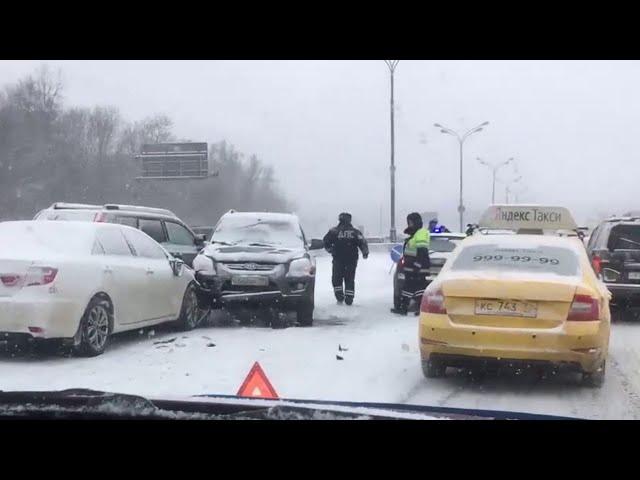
(258, 231)
(624, 237)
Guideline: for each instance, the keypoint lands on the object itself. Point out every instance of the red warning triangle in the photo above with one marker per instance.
(257, 384)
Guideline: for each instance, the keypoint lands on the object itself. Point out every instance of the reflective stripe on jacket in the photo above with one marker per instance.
(420, 239)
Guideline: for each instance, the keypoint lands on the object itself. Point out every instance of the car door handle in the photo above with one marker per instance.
(149, 271)
(108, 270)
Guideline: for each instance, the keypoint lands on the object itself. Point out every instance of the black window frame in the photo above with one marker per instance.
(162, 226)
(177, 222)
(134, 217)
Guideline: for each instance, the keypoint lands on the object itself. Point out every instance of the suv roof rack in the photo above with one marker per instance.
(615, 218)
(74, 206)
(136, 208)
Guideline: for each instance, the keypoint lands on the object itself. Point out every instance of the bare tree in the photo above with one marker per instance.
(40, 93)
(103, 125)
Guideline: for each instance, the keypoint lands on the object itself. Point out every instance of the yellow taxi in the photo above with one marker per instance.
(529, 299)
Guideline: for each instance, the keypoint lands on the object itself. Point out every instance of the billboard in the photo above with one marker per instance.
(174, 160)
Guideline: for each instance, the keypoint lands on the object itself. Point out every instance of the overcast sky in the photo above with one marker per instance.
(324, 126)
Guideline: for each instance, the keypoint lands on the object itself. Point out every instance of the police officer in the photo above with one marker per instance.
(342, 242)
(435, 228)
(416, 262)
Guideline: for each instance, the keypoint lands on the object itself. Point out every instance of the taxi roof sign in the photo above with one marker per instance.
(527, 217)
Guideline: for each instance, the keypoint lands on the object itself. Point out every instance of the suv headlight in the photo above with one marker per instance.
(301, 267)
(204, 264)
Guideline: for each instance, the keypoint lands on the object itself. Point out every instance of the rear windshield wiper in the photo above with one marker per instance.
(629, 241)
(262, 244)
(222, 243)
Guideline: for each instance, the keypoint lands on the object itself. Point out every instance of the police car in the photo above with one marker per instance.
(523, 300)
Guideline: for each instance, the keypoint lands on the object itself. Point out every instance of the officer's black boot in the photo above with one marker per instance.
(404, 307)
(339, 294)
(399, 311)
(348, 296)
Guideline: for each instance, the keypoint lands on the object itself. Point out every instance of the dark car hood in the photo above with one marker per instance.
(245, 253)
(92, 404)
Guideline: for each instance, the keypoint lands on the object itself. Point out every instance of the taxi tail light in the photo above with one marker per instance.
(433, 302)
(584, 308)
(596, 261)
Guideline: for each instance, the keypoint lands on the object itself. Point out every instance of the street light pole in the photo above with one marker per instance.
(493, 188)
(508, 188)
(461, 139)
(494, 170)
(392, 64)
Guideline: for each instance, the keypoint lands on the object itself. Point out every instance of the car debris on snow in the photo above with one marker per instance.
(171, 340)
(211, 344)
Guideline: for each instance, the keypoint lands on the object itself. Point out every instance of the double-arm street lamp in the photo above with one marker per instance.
(461, 139)
(508, 187)
(494, 170)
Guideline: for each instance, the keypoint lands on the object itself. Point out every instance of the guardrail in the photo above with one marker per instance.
(373, 247)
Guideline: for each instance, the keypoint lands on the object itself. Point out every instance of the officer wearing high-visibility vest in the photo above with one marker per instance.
(416, 262)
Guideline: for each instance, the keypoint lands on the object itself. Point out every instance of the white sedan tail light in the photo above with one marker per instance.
(40, 276)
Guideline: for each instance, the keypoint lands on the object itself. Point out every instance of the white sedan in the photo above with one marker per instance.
(82, 282)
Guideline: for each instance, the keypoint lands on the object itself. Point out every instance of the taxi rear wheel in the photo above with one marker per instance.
(594, 379)
(433, 368)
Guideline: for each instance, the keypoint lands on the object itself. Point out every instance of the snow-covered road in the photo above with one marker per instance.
(380, 363)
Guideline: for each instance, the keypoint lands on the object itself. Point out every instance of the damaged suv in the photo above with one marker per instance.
(258, 261)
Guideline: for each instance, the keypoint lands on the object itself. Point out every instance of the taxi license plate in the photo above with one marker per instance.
(508, 308)
(250, 280)
(634, 275)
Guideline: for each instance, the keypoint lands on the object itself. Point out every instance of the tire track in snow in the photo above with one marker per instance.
(627, 387)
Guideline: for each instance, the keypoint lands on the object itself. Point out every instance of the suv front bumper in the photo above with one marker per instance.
(215, 291)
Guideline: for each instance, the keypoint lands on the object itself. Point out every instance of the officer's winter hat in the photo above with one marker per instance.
(415, 218)
(344, 218)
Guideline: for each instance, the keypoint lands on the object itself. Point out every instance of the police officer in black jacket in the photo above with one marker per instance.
(342, 242)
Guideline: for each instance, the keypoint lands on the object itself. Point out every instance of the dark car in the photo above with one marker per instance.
(442, 244)
(258, 262)
(614, 251)
(160, 224)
